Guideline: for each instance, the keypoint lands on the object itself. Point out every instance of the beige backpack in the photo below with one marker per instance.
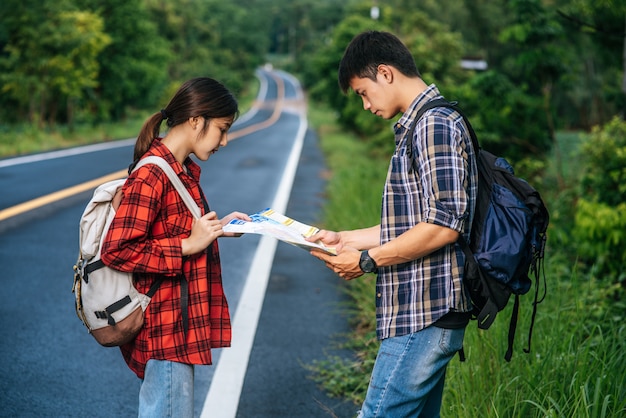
(106, 299)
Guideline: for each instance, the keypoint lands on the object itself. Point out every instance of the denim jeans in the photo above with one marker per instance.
(409, 372)
(166, 390)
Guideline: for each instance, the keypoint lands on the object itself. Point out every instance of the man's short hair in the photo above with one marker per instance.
(370, 49)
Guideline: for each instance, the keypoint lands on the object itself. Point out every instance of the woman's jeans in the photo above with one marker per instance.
(408, 376)
(166, 390)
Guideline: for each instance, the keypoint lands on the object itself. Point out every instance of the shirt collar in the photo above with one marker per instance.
(405, 121)
(159, 149)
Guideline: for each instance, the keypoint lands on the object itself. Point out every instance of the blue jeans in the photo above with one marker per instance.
(166, 390)
(409, 372)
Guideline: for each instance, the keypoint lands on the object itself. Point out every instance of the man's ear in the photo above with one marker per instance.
(386, 72)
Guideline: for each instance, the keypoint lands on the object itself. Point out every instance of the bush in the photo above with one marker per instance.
(575, 368)
(600, 223)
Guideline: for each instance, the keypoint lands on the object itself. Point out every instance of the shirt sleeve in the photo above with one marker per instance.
(443, 172)
(133, 242)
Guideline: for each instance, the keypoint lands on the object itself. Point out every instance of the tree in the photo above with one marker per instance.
(436, 49)
(134, 65)
(51, 58)
(603, 22)
(213, 38)
(537, 58)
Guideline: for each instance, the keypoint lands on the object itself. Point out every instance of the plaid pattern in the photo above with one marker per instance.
(433, 181)
(145, 238)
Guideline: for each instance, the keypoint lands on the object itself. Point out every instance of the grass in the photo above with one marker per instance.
(26, 138)
(576, 367)
(577, 364)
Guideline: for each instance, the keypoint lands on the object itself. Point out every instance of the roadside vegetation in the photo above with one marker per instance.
(552, 100)
(575, 367)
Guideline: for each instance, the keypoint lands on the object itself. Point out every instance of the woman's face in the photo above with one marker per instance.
(216, 136)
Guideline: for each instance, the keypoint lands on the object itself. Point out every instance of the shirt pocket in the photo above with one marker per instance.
(401, 178)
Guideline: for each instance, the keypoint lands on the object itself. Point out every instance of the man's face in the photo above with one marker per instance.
(376, 96)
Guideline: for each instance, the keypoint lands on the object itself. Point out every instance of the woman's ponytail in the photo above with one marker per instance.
(149, 131)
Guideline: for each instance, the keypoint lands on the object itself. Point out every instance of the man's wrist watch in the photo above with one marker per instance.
(367, 263)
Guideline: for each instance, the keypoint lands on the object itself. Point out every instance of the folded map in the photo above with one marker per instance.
(271, 223)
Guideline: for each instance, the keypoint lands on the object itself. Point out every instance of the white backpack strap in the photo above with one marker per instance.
(178, 184)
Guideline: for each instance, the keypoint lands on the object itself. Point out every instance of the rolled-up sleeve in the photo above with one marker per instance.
(443, 173)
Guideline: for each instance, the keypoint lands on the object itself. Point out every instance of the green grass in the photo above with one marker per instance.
(577, 366)
(26, 138)
(577, 363)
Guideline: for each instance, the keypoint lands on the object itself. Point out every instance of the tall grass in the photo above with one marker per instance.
(577, 363)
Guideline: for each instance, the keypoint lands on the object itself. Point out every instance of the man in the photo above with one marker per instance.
(428, 201)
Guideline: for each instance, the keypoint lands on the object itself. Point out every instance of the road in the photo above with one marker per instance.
(284, 303)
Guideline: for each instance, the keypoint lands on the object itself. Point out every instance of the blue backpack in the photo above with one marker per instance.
(507, 238)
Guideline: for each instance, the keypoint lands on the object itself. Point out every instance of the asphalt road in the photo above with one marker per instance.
(51, 367)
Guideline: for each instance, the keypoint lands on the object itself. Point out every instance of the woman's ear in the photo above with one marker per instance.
(194, 122)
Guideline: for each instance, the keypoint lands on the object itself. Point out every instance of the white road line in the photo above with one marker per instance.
(66, 152)
(122, 143)
(222, 400)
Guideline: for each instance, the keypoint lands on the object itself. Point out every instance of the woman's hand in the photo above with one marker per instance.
(234, 215)
(203, 232)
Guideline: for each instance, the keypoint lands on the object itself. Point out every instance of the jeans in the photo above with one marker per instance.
(166, 390)
(409, 372)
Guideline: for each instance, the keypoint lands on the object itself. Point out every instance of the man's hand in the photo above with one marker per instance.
(328, 238)
(345, 263)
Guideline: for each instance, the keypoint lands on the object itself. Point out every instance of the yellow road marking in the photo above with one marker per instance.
(70, 191)
(61, 194)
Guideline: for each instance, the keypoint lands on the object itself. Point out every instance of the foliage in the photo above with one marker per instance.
(94, 61)
(26, 138)
(600, 224)
(134, 64)
(575, 367)
(562, 56)
(211, 37)
(595, 84)
(436, 49)
(508, 121)
(50, 59)
(300, 28)
(349, 107)
(605, 164)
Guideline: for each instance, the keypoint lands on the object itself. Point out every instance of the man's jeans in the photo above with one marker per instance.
(166, 390)
(408, 376)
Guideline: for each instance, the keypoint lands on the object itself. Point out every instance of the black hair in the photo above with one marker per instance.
(370, 49)
(202, 96)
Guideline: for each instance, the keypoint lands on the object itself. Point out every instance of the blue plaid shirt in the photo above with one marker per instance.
(434, 180)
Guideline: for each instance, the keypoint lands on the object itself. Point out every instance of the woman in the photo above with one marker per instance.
(155, 236)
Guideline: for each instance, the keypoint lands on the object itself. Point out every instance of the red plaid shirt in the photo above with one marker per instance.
(145, 238)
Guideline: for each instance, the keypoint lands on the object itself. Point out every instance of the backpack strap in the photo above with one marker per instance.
(195, 211)
(441, 102)
(488, 314)
(176, 182)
